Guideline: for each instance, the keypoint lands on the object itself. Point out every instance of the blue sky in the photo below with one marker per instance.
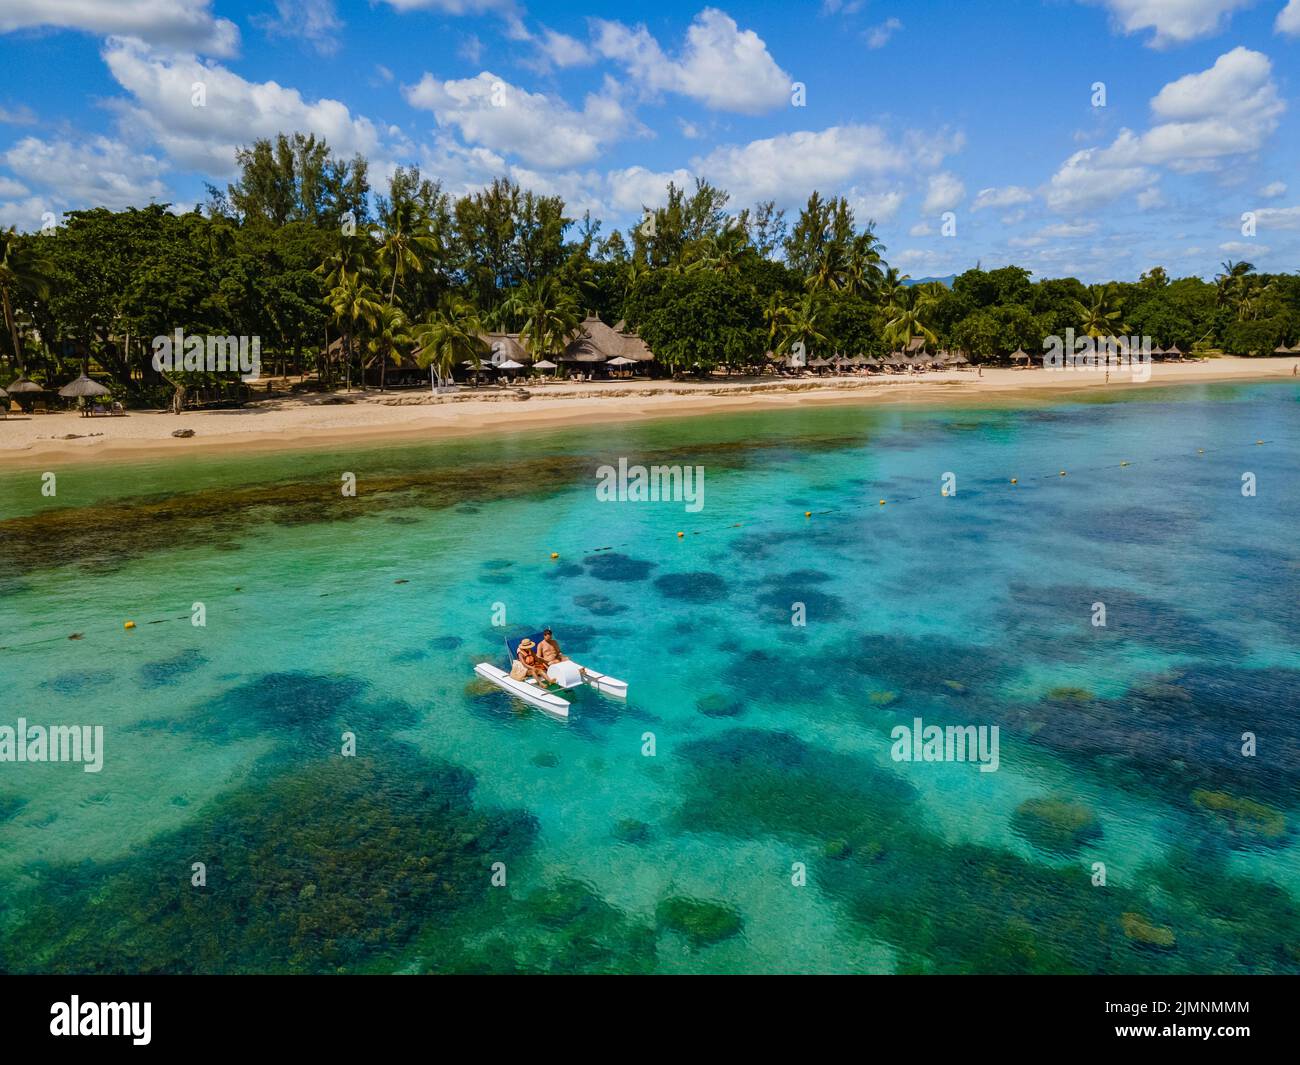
(979, 114)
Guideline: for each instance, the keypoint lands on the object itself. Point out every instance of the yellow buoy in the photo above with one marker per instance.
(1124, 463)
(1259, 441)
(1014, 481)
(680, 535)
(882, 502)
(1062, 473)
(807, 513)
(128, 624)
(555, 554)
(1200, 451)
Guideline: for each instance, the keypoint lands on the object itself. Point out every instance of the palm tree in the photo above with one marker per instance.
(405, 239)
(1101, 316)
(722, 251)
(776, 314)
(550, 316)
(356, 307)
(389, 335)
(862, 271)
(351, 257)
(891, 288)
(831, 270)
(23, 269)
(906, 316)
(801, 326)
(451, 334)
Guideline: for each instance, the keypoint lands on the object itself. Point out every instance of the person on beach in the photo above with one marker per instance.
(533, 666)
(549, 650)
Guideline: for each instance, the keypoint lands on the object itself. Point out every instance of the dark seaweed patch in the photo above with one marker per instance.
(323, 869)
(692, 587)
(75, 683)
(10, 805)
(600, 605)
(1051, 610)
(618, 567)
(167, 671)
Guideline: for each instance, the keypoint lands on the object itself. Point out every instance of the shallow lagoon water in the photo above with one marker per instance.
(326, 614)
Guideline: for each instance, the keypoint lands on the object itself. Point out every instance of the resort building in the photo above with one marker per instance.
(594, 345)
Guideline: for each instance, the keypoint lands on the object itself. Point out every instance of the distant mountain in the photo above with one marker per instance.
(945, 281)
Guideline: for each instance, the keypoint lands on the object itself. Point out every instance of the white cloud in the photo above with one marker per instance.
(22, 115)
(314, 21)
(563, 51)
(1273, 190)
(9, 188)
(720, 65)
(1173, 21)
(878, 36)
(635, 187)
(785, 168)
(1066, 230)
(236, 111)
(1237, 247)
(541, 130)
(921, 229)
(879, 207)
(1278, 218)
(1089, 179)
(100, 172)
(470, 48)
(1229, 110)
(182, 24)
(25, 215)
(944, 192)
(1288, 19)
(1007, 196)
(453, 7)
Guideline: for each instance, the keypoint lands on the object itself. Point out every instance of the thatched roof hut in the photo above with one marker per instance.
(505, 347)
(24, 385)
(83, 386)
(597, 342)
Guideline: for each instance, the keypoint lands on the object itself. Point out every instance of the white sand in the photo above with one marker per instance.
(416, 415)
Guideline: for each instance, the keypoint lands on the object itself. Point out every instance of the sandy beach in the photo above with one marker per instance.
(412, 416)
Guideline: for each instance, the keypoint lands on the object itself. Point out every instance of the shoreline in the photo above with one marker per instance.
(321, 421)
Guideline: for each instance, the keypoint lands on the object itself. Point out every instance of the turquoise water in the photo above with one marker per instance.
(741, 812)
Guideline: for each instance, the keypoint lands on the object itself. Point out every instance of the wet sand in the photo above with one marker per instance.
(413, 416)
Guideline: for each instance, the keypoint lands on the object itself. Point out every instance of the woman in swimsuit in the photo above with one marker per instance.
(534, 665)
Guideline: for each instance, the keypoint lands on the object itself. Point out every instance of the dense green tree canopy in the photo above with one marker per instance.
(300, 252)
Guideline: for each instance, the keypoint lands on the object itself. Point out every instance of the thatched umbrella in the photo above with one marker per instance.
(25, 388)
(82, 387)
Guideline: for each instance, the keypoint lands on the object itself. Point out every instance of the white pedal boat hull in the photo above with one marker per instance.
(569, 674)
(529, 693)
(605, 684)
